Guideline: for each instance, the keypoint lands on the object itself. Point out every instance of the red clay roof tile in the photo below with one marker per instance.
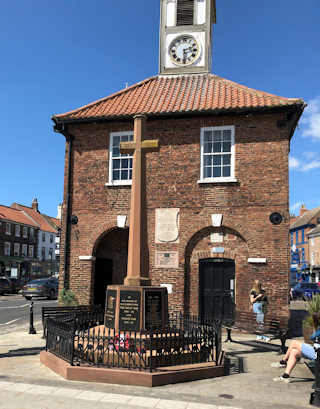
(17, 216)
(37, 216)
(177, 94)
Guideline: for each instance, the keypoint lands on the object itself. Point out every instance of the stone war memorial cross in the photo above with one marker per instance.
(137, 249)
(137, 305)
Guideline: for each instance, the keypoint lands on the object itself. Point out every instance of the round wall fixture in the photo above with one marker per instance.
(74, 219)
(275, 218)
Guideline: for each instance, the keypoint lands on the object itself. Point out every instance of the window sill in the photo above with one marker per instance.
(120, 183)
(220, 180)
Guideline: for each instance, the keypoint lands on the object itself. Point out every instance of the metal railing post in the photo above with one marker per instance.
(31, 327)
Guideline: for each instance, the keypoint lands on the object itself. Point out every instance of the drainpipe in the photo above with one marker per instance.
(63, 129)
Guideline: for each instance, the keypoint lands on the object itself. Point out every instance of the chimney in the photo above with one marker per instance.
(34, 205)
(302, 210)
(59, 211)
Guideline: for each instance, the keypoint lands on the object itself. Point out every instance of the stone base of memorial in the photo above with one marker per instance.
(136, 308)
(120, 376)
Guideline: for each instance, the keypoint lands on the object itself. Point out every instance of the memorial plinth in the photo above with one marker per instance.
(136, 308)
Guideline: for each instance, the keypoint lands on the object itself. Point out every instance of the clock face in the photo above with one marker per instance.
(184, 50)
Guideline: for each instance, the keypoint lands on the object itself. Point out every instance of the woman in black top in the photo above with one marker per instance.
(258, 300)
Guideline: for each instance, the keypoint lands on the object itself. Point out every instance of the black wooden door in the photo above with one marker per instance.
(217, 280)
(103, 278)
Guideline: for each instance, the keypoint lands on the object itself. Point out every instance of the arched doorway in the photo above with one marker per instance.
(217, 285)
(111, 262)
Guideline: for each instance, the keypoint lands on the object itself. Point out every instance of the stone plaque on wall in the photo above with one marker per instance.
(167, 226)
(167, 259)
(129, 311)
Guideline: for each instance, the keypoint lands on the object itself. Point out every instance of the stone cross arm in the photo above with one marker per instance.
(146, 145)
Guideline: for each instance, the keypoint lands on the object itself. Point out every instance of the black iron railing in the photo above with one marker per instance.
(186, 340)
(83, 316)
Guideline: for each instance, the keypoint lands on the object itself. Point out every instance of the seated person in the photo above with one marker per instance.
(297, 350)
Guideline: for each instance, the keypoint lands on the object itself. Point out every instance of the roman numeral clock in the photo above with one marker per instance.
(185, 36)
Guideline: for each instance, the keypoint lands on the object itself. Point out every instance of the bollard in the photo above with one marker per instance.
(315, 396)
(31, 327)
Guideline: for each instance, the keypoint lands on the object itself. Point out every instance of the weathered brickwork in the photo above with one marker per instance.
(261, 170)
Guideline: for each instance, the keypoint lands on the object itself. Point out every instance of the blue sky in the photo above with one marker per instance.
(57, 56)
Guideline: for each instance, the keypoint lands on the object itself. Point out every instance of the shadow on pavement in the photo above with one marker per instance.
(257, 347)
(22, 352)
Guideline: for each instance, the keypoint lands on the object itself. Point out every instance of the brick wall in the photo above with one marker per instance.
(172, 174)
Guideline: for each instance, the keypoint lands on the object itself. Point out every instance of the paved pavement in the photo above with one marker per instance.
(27, 384)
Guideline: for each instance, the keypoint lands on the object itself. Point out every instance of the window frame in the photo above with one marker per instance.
(17, 230)
(25, 232)
(8, 229)
(7, 248)
(24, 250)
(220, 179)
(31, 251)
(111, 182)
(16, 249)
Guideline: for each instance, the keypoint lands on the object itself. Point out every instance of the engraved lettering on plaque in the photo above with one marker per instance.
(153, 309)
(167, 226)
(129, 312)
(167, 259)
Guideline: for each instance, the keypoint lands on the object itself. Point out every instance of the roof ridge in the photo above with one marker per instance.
(30, 217)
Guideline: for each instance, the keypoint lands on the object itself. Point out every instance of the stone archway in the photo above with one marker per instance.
(200, 246)
(111, 252)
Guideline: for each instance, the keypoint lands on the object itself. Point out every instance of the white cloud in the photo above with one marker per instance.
(293, 163)
(305, 165)
(309, 155)
(312, 165)
(311, 119)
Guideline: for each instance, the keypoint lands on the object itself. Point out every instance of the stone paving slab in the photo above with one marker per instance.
(26, 384)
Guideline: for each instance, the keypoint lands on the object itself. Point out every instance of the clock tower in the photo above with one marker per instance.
(185, 36)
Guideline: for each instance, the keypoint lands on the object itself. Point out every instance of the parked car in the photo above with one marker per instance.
(41, 287)
(5, 286)
(305, 290)
(16, 284)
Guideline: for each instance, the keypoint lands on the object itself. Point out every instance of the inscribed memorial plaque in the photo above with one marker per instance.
(129, 312)
(167, 226)
(110, 310)
(167, 259)
(153, 309)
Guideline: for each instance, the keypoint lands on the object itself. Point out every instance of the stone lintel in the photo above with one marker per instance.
(260, 260)
(87, 258)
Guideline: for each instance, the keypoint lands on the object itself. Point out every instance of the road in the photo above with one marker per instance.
(15, 311)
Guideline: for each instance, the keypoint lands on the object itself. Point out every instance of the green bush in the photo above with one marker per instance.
(313, 306)
(67, 298)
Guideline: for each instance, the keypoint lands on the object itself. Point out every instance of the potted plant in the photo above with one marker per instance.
(67, 298)
(313, 306)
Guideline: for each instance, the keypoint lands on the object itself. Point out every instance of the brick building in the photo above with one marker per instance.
(302, 229)
(18, 242)
(314, 251)
(217, 189)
